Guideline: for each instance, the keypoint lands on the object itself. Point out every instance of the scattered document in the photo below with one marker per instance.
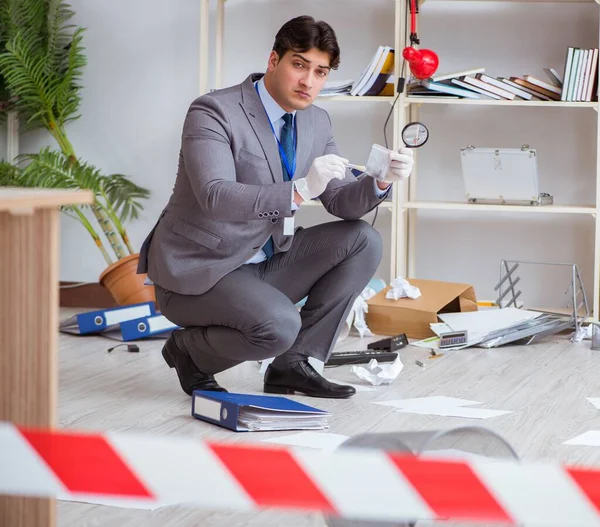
(595, 401)
(432, 343)
(440, 327)
(443, 406)
(589, 438)
(457, 411)
(321, 441)
(377, 374)
(434, 401)
(479, 324)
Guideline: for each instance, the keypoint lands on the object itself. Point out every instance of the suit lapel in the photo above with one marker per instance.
(257, 117)
(304, 129)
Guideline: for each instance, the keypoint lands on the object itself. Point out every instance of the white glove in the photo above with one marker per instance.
(401, 164)
(322, 171)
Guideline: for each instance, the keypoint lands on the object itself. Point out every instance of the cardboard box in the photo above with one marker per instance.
(413, 316)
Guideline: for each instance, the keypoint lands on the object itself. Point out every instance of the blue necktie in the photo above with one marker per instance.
(287, 144)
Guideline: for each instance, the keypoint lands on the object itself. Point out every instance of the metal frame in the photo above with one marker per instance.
(577, 300)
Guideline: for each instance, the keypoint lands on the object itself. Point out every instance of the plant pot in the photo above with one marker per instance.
(125, 285)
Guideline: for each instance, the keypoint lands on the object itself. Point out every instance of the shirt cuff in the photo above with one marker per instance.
(380, 193)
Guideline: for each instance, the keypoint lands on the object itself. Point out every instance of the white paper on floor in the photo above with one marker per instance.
(443, 406)
(589, 438)
(456, 411)
(428, 402)
(595, 401)
(357, 387)
(377, 374)
(320, 440)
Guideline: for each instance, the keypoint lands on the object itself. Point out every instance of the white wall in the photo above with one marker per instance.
(143, 73)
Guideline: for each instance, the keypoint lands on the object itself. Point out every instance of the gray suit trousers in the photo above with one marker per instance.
(250, 314)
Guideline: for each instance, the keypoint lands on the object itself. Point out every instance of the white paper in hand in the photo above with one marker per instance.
(377, 374)
(402, 289)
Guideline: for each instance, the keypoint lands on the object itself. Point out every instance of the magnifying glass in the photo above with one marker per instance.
(415, 135)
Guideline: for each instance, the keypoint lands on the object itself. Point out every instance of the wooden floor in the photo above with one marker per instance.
(544, 384)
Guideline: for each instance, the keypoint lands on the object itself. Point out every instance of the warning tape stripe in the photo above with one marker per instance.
(272, 478)
(356, 482)
(588, 482)
(111, 475)
(359, 484)
(180, 470)
(452, 490)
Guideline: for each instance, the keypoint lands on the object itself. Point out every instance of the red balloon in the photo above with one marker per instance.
(423, 63)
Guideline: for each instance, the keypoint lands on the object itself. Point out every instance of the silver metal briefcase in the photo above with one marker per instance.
(506, 176)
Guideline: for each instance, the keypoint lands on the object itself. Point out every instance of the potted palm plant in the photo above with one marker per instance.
(41, 66)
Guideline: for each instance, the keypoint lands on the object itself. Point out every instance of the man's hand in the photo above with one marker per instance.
(401, 164)
(322, 171)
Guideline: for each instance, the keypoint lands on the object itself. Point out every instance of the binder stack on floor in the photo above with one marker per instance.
(150, 326)
(105, 320)
(256, 413)
(125, 323)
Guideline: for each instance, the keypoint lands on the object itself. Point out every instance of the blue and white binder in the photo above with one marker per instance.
(255, 413)
(106, 319)
(145, 327)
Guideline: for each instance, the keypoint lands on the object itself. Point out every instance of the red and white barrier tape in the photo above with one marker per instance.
(352, 483)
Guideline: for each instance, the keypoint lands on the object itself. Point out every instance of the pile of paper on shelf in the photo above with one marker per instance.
(332, 88)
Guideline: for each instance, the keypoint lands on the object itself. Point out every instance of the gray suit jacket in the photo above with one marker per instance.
(230, 196)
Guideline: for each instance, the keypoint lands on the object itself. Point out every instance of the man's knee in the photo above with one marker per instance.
(276, 333)
(369, 240)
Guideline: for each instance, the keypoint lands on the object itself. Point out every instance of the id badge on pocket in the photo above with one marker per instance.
(288, 226)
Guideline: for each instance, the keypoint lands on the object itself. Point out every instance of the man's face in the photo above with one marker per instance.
(297, 78)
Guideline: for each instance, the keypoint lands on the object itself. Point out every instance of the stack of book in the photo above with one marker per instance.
(376, 79)
(333, 88)
(579, 85)
(581, 75)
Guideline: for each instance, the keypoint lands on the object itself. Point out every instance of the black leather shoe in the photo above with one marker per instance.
(190, 377)
(303, 378)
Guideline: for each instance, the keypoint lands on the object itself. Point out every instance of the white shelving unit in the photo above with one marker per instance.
(397, 219)
(409, 205)
(404, 205)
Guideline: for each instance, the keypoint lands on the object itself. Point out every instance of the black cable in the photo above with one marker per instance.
(388, 118)
(133, 348)
(401, 83)
(399, 90)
